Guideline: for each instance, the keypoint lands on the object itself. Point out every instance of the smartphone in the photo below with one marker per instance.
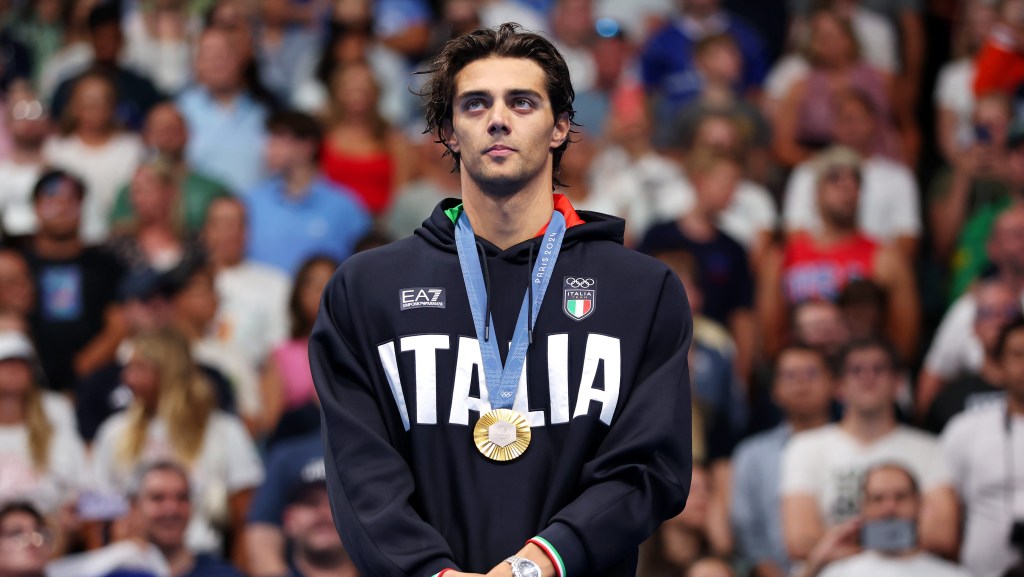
(889, 535)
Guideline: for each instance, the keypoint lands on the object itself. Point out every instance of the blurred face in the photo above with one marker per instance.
(993, 115)
(838, 195)
(224, 234)
(163, 509)
(310, 525)
(716, 187)
(869, 381)
(700, 8)
(853, 125)
(29, 122)
(16, 291)
(59, 210)
(611, 55)
(722, 62)
(710, 568)
(151, 195)
(312, 290)
(107, 42)
(1012, 362)
(979, 18)
(830, 43)
(889, 494)
(1013, 13)
(197, 302)
(717, 135)
(803, 385)
(573, 21)
(232, 19)
(503, 125)
(284, 152)
(355, 91)
(218, 66)
(997, 306)
(93, 104)
(275, 12)
(15, 377)
(48, 10)
(165, 131)
(143, 378)
(1006, 244)
(25, 545)
(820, 325)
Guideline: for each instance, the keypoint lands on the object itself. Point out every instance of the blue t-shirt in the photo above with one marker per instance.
(285, 231)
(724, 272)
(290, 464)
(209, 566)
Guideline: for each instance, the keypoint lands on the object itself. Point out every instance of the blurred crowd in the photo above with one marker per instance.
(839, 184)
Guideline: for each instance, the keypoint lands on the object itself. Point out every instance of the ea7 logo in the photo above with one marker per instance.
(421, 297)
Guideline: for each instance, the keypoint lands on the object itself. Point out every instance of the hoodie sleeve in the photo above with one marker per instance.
(640, 475)
(370, 483)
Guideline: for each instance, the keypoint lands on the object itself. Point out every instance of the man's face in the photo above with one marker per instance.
(16, 289)
(869, 381)
(1012, 362)
(218, 66)
(29, 122)
(1006, 244)
(997, 305)
(15, 378)
(107, 42)
(59, 210)
(25, 545)
(165, 131)
(197, 302)
(820, 325)
(718, 136)
(163, 508)
(284, 152)
(717, 186)
(838, 195)
(224, 234)
(854, 125)
(503, 126)
(308, 523)
(889, 494)
(803, 385)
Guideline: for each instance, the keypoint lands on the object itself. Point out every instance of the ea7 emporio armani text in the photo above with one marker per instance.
(603, 353)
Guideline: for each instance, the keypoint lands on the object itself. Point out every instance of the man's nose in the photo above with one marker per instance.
(497, 121)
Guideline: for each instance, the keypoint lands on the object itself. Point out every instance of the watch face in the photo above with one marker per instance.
(525, 568)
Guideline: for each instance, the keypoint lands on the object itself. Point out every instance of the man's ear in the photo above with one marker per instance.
(560, 132)
(448, 133)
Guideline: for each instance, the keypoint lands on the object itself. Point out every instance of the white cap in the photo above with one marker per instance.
(15, 345)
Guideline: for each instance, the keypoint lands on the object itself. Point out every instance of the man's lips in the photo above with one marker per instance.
(499, 150)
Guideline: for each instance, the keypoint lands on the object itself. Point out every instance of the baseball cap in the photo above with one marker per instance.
(836, 158)
(142, 286)
(312, 479)
(15, 345)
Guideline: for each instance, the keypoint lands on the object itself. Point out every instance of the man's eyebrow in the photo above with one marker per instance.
(487, 94)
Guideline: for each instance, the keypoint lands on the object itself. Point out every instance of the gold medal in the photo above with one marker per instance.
(502, 435)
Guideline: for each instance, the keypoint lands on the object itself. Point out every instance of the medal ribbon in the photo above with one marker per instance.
(503, 381)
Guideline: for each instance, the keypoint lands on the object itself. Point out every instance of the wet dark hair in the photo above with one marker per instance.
(505, 41)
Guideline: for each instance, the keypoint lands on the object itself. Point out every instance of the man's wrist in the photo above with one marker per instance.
(534, 552)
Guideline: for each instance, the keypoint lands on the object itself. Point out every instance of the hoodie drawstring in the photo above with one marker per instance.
(529, 296)
(487, 290)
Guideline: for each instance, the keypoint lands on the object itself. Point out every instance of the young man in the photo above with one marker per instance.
(583, 450)
(822, 469)
(315, 548)
(26, 544)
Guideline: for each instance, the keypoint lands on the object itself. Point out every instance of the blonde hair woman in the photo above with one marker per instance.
(173, 416)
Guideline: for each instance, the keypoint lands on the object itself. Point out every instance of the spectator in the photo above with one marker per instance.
(892, 504)
(133, 94)
(954, 95)
(41, 27)
(292, 406)
(225, 121)
(173, 415)
(822, 469)
(573, 33)
(997, 305)
(710, 567)
(26, 543)
(1000, 62)
(361, 151)
(865, 310)
(236, 19)
(316, 549)
(889, 210)
(975, 184)
(612, 54)
(165, 134)
(29, 125)
(431, 183)
(158, 39)
(802, 389)
(154, 237)
(279, 45)
(667, 60)
(955, 348)
(42, 459)
(92, 146)
(814, 265)
(75, 52)
(989, 482)
(74, 314)
(726, 281)
(820, 325)
(297, 213)
(17, 292)
(292, 463)
(253, 321)
(804, 122)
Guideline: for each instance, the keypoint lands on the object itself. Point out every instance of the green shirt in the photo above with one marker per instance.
(970, 257)
(197, 192)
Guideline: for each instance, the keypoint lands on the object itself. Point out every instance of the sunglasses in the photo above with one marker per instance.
(28, 110)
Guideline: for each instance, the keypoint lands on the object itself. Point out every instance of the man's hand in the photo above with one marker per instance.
(839, 542)
(531, 552)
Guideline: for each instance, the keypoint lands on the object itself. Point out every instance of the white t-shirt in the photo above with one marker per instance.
(49, 489)
(889, 206)
(104, 169)
(954, 91)
(828, 464)
(60, 411)
(16, 182)
(874, 564)
(955, 349)
(227, 463)
(254, 321)
(168, 63)
(976, 444)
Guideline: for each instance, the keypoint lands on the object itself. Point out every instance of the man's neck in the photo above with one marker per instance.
(506, 221)
(800, 423)
(831, 235)
(225, 96)
(699, 225)
(220, 264)
(12, 410)
(26, 155)
(179, 560)
(868, 428)
(298, 179)
(57, 248)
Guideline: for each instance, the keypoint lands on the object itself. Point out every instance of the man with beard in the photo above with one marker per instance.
(316, 549)
(819, 264)
(29, 125)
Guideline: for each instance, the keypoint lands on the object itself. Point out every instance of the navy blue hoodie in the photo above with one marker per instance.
(397, 366)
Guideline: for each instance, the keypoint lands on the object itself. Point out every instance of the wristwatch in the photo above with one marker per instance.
(523, 567)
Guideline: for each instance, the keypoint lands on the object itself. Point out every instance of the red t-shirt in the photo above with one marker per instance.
(811, 272)
(999, 66)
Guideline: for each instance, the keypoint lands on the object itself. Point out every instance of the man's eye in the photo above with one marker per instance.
(523, 103)
(475, 104)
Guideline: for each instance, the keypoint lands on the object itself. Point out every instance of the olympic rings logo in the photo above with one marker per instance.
(579, 282)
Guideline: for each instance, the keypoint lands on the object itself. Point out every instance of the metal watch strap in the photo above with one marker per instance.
(533, 570)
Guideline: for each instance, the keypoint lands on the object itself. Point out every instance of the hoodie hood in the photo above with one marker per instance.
(439, 231)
